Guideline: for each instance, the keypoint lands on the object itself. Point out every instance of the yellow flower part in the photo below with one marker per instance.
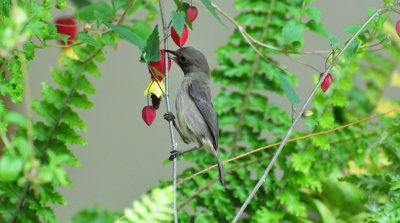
(70, 53)
(156, 87)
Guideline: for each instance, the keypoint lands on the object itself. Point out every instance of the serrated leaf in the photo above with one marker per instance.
(68, 135)
(289, 91)
(210, 8)
(291, 199)
(84, 37)
(292, 32)
(152, 50)
(321, 141)
(81, 101)
(302, 161)
(178, 21)
(128, 34)
(326, 120)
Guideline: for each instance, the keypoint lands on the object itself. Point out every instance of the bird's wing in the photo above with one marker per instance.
(201, 95)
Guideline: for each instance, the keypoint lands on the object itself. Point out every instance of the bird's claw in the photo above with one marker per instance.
(174, 154)
(169, 116)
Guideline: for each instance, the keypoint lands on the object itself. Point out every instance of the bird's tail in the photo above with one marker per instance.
(220, 169)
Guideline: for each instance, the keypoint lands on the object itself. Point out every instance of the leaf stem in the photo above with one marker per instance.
(167, 102)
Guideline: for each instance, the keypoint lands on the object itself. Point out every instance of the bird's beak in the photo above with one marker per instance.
(173, 53)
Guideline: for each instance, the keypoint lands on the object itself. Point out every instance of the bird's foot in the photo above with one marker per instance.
(174, 154)
(169, 116)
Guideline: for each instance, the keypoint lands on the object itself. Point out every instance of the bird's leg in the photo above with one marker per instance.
(176, 153)
(170, 117)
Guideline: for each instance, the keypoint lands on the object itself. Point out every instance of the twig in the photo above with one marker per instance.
(166, 96)
(130, 4)
(291, 140)
(286, 137)
(253, 40)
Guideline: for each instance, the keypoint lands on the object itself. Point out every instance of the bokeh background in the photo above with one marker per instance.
(124, 157)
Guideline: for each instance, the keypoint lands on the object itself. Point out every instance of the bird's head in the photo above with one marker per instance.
(190, 60)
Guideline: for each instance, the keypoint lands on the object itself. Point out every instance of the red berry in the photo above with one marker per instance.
(398, 28)
(148, 114)
(327, 82)
(67, 26)
(159, 66)
(191, 13)
(180, 41)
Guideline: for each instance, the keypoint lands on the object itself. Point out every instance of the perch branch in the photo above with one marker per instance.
(166, 96)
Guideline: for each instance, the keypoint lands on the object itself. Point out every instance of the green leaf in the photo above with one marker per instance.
(178, 21)
(10, 168)
(352, 49)
(88, 13)
(314, 14)
(117, 4)
(334, 41)
(210, 8)
(15, 118)
(152, 50)
(84, 37)
(141, 28)
(128, 34)
(292, 32)
(317, 28)
(289, 91)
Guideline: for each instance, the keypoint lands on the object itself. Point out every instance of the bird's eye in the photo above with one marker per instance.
(182, 59)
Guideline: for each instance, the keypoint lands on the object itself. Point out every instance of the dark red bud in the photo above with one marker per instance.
(327, 82)
(191, 13)
(67, 26)
(148, 114)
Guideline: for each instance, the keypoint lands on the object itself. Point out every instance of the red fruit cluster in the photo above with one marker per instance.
(191, 15)
(327, 82)
(158, 67)
(67, 26)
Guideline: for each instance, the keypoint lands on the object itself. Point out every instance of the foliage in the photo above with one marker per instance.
(349, 175)
(155, 207)
(303, 189)
(32, 164)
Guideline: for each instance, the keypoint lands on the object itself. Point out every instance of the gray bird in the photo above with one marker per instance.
(197, 120)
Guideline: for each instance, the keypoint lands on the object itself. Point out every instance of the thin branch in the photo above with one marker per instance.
(122, 18)
(253, 40)
(291, 140)
(286, 137)
(166, 96)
